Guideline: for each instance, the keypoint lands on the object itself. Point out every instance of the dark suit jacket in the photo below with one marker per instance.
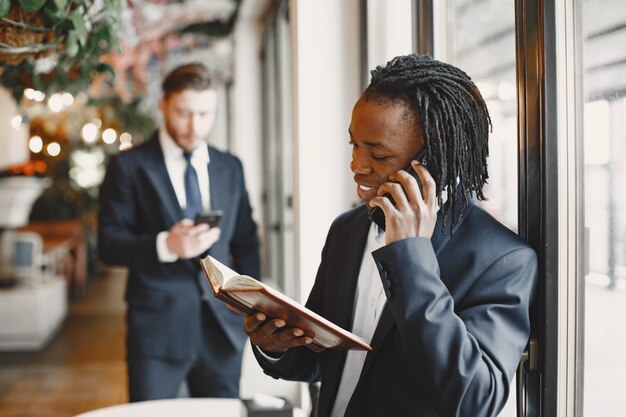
(137, 201)
(453, 329)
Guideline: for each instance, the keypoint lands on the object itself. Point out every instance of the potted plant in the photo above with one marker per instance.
(55, 45)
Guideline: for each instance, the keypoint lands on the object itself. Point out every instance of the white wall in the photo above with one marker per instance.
(326, 86)
(245, 110)
(13, 142)
(246, 131)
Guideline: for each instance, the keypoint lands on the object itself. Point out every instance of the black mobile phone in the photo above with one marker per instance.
(212, 218)
(376, 214)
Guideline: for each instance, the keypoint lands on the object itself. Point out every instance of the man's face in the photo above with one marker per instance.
(189, 116)
(383, 140)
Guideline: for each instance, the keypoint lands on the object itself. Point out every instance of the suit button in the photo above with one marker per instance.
(206, 297)
(388, 293)
(386, 284)
(383, 274)
(379, 266)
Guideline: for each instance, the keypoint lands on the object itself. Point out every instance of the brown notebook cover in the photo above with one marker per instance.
(250, 296)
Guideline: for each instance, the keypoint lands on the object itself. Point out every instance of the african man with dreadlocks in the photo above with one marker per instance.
(442, 294)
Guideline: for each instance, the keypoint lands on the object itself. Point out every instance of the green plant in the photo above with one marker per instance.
(54, 45)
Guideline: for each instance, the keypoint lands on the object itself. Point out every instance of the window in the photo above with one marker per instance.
(479, 38)
(600, 206)
(389, 31)
(277, 158)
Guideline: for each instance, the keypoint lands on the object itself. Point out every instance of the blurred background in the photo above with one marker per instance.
(80, 81)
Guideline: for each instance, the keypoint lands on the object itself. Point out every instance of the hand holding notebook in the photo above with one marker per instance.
(251, 296)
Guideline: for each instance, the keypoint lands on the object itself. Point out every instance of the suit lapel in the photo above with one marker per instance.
(218, 182)
(159, 178)
(342, 316)
(350, 270)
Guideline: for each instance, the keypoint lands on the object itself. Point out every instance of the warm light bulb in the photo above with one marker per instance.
(89, 133)
(39, 96)
(16, 122)
(126, 138)
(55, 103)
(35, 144)
(29, 93)
(53, 149)
(68, 99)
(109, 135)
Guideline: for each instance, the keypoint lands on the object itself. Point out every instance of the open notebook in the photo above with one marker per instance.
(250, 296)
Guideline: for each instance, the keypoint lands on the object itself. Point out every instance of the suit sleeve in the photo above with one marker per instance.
(464, 356)
(118, 241)
(301, 364)
(244, 245)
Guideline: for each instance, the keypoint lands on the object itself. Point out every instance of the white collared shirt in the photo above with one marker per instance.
(176, 165)
(369, 302)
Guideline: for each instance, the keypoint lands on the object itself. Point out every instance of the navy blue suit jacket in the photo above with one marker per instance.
(137, 201)
(452, 332)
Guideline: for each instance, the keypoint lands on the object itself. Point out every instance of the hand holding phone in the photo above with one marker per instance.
(212, 218)
(376, 214)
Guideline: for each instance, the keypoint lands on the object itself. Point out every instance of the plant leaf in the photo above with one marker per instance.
(79, 27)
(104, 67)
(71, 48)
(115, 9)
(5, 6)
(61, 3)
(32, 5)
(54, 14)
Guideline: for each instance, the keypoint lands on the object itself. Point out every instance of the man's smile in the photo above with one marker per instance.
(366, 192)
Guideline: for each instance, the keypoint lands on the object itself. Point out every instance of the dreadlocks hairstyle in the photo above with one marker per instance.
(455, 122)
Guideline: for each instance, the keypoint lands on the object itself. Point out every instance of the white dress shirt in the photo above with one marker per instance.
(369, 302)
(176, 165)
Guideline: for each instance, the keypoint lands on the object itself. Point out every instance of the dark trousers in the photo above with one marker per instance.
(214, 372)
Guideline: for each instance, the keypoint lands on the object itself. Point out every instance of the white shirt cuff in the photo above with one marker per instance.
(163, 252)
(271, 360)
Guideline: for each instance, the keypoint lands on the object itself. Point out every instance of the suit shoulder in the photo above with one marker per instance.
(224, 157)
(493, 236)
(134, 154)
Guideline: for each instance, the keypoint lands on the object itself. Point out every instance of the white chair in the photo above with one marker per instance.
(33, 308)
(23, 257)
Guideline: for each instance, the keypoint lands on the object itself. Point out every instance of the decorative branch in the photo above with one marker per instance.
(29, 49)
(26, 25)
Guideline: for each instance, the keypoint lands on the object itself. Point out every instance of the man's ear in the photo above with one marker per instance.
(162, 104)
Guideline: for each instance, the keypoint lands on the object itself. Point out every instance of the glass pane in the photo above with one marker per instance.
(479, 38)
(389, 31)
(278, 164)
(602, 36)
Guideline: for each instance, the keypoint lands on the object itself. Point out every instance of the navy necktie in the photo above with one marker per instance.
(192, 190)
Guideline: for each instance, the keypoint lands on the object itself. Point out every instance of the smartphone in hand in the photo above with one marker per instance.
(376, 214)
(212, 218)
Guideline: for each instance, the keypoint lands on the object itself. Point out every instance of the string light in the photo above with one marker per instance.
(53, 149)
(109, 135)
(35, 144)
